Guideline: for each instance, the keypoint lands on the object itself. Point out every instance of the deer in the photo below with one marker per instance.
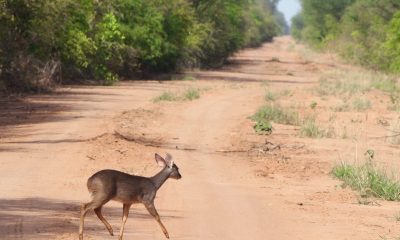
(106, 185)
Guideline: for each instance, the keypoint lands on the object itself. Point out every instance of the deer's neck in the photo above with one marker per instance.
(160, 178)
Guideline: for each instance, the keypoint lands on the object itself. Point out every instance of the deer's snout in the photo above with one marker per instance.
(176, 175)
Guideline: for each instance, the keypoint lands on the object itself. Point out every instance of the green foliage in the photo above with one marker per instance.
(368, 180)
(297, 26)
(263, 126)
(392, 44)
(363, 31)
(45, 40)
(319, 20)
(232, 25)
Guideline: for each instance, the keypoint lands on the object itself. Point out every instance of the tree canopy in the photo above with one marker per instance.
(364, 31)
(42, 41)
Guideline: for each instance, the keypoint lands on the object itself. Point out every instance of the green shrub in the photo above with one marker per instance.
(263, 127)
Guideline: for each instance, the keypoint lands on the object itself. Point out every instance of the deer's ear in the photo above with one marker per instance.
(160, 161)
(168, 160)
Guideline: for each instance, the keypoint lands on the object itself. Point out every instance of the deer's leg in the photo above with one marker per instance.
(152, 210)
(100, 216)
(124, 218)
(97, 202)
(84, 209)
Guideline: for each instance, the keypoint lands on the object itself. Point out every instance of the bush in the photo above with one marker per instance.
(263, 126)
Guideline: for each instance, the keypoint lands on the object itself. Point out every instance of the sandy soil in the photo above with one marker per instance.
(236, 184)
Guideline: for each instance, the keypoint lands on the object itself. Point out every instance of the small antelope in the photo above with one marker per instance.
(107, 185)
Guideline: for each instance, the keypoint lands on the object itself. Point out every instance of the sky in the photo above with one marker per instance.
(289, 8)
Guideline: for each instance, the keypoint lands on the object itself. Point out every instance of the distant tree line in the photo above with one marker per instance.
(45, 41)
(364, 31)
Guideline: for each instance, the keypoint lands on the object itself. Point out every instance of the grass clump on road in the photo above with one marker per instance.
(272, 113)
(166, 96)
(360, 104)
(341, 107)
(191, 94)
(310, 129)
(277, 114)
(273, 96)
(270, 96)
(188, 95)
(368, 180)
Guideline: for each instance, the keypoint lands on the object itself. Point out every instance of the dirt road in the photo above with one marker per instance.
(51, 144)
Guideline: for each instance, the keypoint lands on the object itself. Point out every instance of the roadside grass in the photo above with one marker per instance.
(397, 217)
(354, 82)
(307, 54)
(273, 113)
(358, 104)
(394, 101)
(277, 114)
(368, 180)
(189, 77)
(341, 107)
(273, 96)
(166, 96)
(394, 132)
(285, 93)
(268, 114)
(270, 96)
(189, 94)
(361, 104)
(310, 129)
(342, 86)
